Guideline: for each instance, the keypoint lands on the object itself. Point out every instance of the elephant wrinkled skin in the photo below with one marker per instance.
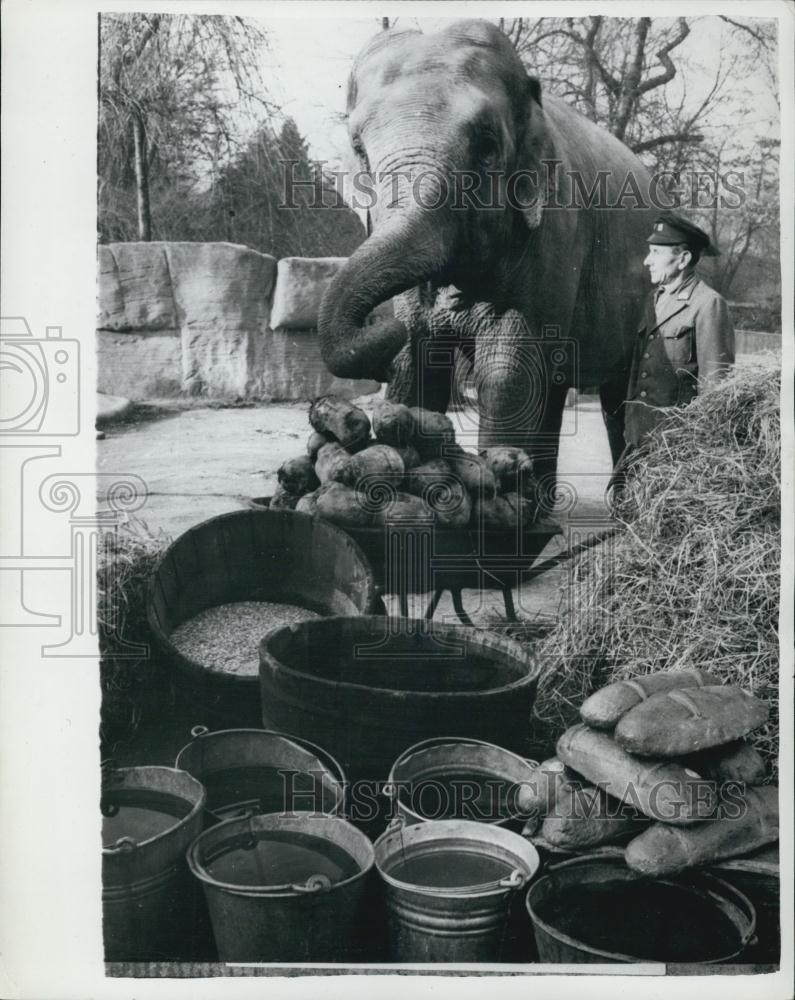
(534, 279)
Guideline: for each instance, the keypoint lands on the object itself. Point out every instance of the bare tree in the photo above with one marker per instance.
(172, 92)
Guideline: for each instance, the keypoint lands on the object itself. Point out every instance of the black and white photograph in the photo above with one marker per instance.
(397, 447)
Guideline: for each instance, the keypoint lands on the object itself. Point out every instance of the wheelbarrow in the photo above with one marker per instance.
(421, 558)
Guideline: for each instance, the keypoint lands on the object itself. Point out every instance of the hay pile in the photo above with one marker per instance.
(692, 580)
(127, 558)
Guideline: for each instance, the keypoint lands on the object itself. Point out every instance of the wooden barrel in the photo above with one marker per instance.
(247, 555)
(367, 688)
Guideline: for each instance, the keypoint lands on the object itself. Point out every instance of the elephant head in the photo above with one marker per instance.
(443, 125)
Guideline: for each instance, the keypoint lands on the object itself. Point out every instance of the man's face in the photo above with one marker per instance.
(665, 262)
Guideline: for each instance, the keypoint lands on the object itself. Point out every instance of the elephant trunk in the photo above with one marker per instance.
(407, 250)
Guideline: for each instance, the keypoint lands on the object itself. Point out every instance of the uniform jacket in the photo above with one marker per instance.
(686, 339)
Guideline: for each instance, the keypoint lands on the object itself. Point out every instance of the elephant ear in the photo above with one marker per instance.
(531, 190)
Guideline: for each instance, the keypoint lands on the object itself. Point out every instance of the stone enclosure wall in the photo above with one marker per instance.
(223, 322)
(213, 320)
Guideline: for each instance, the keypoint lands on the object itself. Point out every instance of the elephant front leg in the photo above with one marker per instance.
(520, 396)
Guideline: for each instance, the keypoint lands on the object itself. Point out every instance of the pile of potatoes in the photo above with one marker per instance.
(405, 465)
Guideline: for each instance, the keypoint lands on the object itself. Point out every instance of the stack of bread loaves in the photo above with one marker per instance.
(662, 759)
(413, 468)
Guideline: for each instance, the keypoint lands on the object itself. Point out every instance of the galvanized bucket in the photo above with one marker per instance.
(451, 777)
(250, 771)
(596, 909)
(151, 910)
(286, 889)
(450, 889)
(757, 877)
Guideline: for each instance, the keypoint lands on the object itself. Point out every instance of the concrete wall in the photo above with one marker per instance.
(212, 320)
(221, 321)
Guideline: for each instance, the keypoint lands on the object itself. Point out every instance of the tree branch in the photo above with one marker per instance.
(662, 140)
(663, 57)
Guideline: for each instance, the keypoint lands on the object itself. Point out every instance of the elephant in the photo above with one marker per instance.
(540, 284)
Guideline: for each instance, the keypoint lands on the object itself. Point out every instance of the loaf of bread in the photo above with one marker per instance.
(733, 762)
(662, 789)
(606, 706)
(664, 849)
(583, 816)
(681, 722)
(537, 794)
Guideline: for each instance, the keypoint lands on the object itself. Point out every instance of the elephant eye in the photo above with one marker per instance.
(487, 152)
(361, 152)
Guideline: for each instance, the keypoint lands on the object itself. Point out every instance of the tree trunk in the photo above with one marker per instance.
(142, 180)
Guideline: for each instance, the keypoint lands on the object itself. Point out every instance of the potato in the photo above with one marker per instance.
(282, 500)
(404, 507)
(331, 463)
(451, 504)
(297, 476)
(340, 504)
(432, 432)
(314, 443)
(410, 456)
(675, 723)
(393, 423)
(378, 462)
(337, 418)
(662, 789)
(501, 513)
(477, 477)
(430, 473)
(606, 706)
(512, 469)
(307, 504)
(664, 850)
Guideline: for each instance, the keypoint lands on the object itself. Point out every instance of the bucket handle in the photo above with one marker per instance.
(395, 824)
(198, 731)
(315, 883)
(124, 845)
(515, 880)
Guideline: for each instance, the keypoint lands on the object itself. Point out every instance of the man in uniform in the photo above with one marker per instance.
(686, 338)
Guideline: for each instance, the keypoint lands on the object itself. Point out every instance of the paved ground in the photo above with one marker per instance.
(199, 462)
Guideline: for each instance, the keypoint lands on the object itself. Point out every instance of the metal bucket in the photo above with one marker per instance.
(455, 778)
(757, 877)
(595, 909)
(250, 771)
(150, 907)
(286, 889)
(450, 889)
